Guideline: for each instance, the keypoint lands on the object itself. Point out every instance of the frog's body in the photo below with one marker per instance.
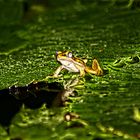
(74, 64)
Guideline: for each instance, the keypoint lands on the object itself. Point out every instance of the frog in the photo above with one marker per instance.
(74, 64)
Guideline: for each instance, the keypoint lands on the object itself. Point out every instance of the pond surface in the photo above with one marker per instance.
(108, 105)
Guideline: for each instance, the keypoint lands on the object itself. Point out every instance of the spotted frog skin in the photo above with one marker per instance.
(74, 64)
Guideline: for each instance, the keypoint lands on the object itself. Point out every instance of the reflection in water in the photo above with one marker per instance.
(33, 96)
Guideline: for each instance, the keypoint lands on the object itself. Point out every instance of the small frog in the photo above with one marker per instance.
(74, 64)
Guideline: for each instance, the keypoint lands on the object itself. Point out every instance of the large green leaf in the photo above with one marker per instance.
(108, 106)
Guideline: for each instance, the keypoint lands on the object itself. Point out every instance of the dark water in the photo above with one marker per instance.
(108, 101)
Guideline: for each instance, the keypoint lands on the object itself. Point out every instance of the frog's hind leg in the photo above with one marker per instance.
(96, 68)
(82, 73)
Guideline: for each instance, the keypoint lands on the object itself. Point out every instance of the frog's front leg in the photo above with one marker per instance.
(96, 68)
(58, 70)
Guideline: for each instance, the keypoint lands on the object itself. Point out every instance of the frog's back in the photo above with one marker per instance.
(79, 60)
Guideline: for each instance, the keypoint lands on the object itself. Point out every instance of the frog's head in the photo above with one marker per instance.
(65, 55)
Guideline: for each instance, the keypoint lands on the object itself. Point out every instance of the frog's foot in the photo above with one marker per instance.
(56, 76)
(96, 68)
(52, 76)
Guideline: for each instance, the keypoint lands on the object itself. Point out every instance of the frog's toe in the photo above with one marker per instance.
(56, 76)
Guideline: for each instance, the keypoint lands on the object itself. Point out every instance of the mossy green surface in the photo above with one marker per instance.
(27, 53)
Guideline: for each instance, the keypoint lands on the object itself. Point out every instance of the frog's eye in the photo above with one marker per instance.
(70, 55)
